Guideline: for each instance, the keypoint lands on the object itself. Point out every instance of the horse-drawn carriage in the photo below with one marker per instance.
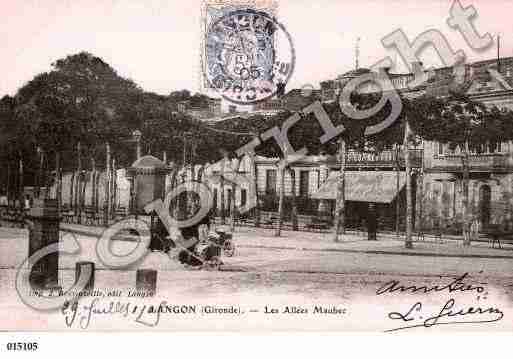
(208, 248)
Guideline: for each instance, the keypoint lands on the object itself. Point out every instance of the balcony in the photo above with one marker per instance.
(478, 162)
(387, 158)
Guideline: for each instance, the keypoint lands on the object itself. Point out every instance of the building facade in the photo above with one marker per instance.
(437, 170)
(201, 110)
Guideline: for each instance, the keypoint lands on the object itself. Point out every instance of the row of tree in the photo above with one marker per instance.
(64, 119)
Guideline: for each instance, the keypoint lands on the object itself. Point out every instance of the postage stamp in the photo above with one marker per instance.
(372, 195)
(247, 54)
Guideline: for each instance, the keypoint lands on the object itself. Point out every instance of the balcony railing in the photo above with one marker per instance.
(482, 161)
(387, 158)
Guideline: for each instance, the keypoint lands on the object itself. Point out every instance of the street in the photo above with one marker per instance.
(258, 280)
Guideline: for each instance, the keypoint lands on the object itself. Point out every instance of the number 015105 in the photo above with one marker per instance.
(22, 346)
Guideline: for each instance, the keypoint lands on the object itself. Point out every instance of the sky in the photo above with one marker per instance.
(157, 43)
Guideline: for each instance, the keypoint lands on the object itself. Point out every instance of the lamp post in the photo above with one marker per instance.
(137, 135)
(188, 200)
(340, 215)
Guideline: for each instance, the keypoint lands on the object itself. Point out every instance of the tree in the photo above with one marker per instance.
(341, 188)
(7, 107)
(294, 199)
(223, 206)
(235, 171)
(281, 177)
(177, 96)
(254, 185)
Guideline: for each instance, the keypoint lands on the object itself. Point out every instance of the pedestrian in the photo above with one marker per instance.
(475, 228)
(159, 237)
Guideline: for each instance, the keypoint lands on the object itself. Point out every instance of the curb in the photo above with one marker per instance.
(372, 251)
(340, 250)
(127, 238)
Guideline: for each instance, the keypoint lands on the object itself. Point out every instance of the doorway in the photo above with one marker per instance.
(485, 196)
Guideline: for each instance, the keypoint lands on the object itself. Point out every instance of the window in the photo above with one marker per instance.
(440, 148)
(494, 147)
(270, 181)
(304, 177)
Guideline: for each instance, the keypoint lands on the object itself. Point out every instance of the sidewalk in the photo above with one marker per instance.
(250, 237)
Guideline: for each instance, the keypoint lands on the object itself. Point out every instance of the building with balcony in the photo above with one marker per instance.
(371, 178)
(378, 178)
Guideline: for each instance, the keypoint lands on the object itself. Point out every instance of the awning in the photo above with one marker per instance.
(364, 186)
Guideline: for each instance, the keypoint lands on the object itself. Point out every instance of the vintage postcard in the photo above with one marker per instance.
(256, 165)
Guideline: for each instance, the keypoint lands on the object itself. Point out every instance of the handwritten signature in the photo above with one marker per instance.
(449, 313)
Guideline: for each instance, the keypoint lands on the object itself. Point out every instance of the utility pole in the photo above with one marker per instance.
(294, 199)
(465, 187)
(409, 209)
(398, 173)
(21, 183)
(58, 179)
(94, 189)
(106, 214)
(254, 184)
(341, 188)
(420, 196)
(79, 183)
(8, 183)
(188, 197)
(40, 174)
(223, 165)
(113, 187)
(184, 160)
(233, 197)
(281, 171)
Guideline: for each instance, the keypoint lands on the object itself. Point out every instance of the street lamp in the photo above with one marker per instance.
(136, 135)
(40, 176)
